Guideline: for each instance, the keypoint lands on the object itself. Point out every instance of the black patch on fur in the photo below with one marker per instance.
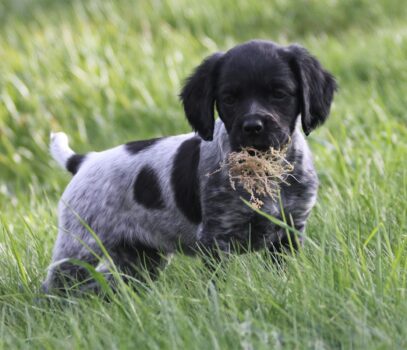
(74, 162)
(184, 179)
(134, 147)
(147, 189)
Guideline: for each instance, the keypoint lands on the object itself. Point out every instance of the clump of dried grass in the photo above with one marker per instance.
(259, 172)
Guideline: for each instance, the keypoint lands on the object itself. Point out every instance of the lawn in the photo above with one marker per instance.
(107, 72)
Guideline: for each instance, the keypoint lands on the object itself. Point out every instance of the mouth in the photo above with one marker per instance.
(260, 143)
(255, 146)
(263, 146)
(251, 146)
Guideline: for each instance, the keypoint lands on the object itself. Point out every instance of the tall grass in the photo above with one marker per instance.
(109, 71)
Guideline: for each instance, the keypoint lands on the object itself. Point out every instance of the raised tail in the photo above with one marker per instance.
(63, 154)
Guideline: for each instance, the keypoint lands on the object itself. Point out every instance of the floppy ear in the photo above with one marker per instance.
(317, 87)
(198, 97)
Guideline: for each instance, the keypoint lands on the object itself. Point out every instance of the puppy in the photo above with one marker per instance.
(145, 199)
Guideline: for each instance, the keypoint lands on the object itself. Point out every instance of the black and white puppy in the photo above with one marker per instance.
(149, 198)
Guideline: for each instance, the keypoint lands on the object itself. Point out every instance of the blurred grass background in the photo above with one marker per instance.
(107, 72)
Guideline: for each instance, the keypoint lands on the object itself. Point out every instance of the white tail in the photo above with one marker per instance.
(60, 149)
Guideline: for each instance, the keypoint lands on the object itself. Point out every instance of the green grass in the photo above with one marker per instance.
(107, 72)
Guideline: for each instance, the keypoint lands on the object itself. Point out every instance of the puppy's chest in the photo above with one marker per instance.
(241, 222)
(231, 200)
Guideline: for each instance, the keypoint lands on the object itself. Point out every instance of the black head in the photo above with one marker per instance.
(259, 89)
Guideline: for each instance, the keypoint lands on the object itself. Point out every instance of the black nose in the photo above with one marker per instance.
(252, 126)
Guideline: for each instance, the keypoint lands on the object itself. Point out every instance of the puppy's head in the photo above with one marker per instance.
(259, 89)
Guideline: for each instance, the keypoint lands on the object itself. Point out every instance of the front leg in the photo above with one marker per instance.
(226, 219)
(225, 232)
(267, 234)
(221, 235)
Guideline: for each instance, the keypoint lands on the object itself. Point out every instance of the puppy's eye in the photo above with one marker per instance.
(229, 99)
(279, 94)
